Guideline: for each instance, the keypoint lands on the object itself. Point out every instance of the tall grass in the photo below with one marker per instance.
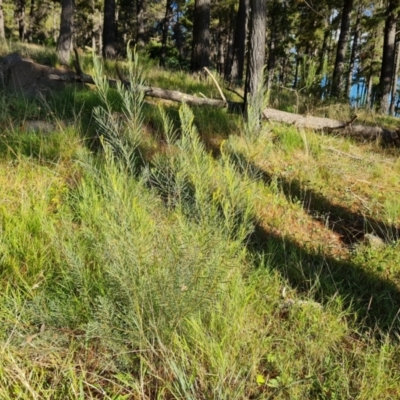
(127, 274)
(125, 278)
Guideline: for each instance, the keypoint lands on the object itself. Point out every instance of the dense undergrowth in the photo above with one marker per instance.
(150, 251)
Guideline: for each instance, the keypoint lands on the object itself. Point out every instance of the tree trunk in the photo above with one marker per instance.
(389, 44)
(358, 89)
(296, 72)
(283, 71)
(364, 100)
(338, 72)
(221, 51)
(20, 18)
(32, 22)
(140, 34)
(394, 83)
(256, 54)
(369, 103)
(354, 50)
(165, 27)
(271, 58)
(324, 48)
(65, 39)
(178, 34)
(228, 59)
(326, 90)
(397, 107)
(55, 25)
(239, 43)
(322, 62)
(93, 22)
(100, 30)
(109, 29)
(2, 33)
(201, 36)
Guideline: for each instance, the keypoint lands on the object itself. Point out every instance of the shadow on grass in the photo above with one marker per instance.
(350, 226)
(373, 300)
(78, 104)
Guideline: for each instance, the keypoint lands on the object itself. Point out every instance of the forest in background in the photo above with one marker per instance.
(329, 50)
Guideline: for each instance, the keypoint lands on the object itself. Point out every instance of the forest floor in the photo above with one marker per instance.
(149, 250)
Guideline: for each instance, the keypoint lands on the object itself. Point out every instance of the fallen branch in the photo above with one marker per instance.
(236, 92)
(216, 84)
(342, 153)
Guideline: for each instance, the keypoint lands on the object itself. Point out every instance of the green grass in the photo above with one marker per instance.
(165, 252)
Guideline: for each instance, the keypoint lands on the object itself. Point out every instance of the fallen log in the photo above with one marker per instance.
(164, 94)
(25, 75)
(370, 133)
(365, 132)
(150, 91)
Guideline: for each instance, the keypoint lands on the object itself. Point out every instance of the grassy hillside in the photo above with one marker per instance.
(153, 251)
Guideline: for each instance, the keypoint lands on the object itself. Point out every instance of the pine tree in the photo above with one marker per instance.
(201, 36)
(338, 72)
(2, 32)
(256, 54)
(140, 31)
(165, 28)
(64, 44)
(20, 18)
(388, 57)
(109, 29)
(239, 43)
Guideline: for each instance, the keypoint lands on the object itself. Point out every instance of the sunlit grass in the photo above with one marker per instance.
(177, 258)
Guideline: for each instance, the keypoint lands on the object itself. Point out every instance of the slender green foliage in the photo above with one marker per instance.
(218, 275)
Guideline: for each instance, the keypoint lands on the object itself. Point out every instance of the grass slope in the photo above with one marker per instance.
(150, 251)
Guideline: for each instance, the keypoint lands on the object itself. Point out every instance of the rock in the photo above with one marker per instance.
(373, 241)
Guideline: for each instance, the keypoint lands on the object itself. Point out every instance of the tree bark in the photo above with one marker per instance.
(165, 28)
(54, 19)
(338, 72)
(256, 54)
(201, 36)
(20, 18)
(271, 59)
(221, 50)
(239, 43)
(177, 29)
(93, 23)
(228, 56)
(388, 57)
(2, 32)
(296, 72)
(140, 34)
(324, 48)
(354, 50)
(31, 22)
(394, 83)
(109, 29)
(64, 44)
